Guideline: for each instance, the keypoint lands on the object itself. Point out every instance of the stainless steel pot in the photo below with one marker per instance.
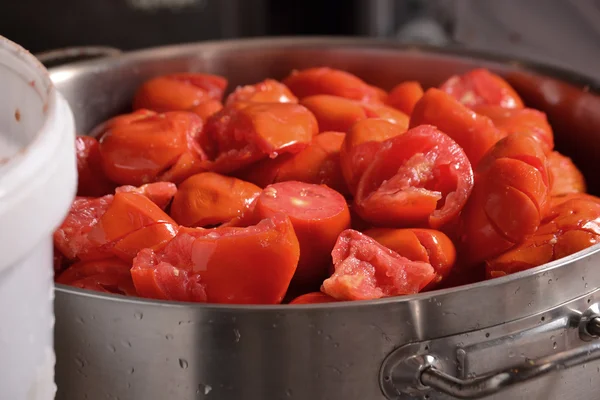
(110, 347)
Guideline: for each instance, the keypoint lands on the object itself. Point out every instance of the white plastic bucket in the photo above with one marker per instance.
(37, 184)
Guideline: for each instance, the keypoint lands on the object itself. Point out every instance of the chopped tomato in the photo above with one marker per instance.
(566, 178)
(360, 145)
(571, 226)
(179, 92)
(238, 136)
(334, 113)
(267, 91)
(366, 270)
(323, 80)
(404, 96)
(313, 298)
(421, 177)
(137, 151)
(480, 86)
(109, 276)
(211, 199)
(387, 113)
(160, 193)
(475, 133)
(524, 120)
(509, 200)
(71, 237)
(426, 245)
(251, 265)
(318, 215)
(207, 108)
(91, 179)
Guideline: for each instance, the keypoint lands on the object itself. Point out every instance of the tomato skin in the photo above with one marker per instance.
(565, 176)
(210, 199)
(572, 225)
(410, 174)
(404, 96)
(239, 136)
(524, 120)
(160, 193)
(366, 270)
(426, 245)
(323, 80)
(480, 86)
(136, 152)
(318, 214)
(267, 91)
(207, 109)
(360, 145)
(109, 276)
(178, 92)
(91, 179)
(375, 110)
(251, 265)
(509, 200)
(313, 298)
(475, 133)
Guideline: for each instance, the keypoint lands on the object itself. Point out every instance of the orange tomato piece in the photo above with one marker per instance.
(566, 178)
(390, 114)
(318, 215)
(313, 298)
(524, 120)
(251, 265)
(178, 92)
(509, 200)
(366, 270)
(421, 177)
(91, 179)
(475, 133)
(324, 80)
(267, 91)
(207, 108)
(334, 113)
(404, 96)
(573, 224)
(161, 193)
(108, 276)
(480, 86)
(361, 143)
(138, 150)
(426, 245)
(211, 199)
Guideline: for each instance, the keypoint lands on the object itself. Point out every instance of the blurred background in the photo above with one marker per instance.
(561, 32)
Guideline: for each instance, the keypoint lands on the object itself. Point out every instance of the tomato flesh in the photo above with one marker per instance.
(267, 91)
(313, 298)
(108, 276)
(91, 179)
(366, 270)
(405, 95)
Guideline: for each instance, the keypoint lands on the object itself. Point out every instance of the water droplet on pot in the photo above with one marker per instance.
(80, 320)
(549, 281)
(112, 348)
(554, 345)
(138, 315)
(336, 345)
(126, 343)
(131, 370)
(169, 336)
(288, 393)
(203, 389)
(183, 363)
(237, 334)
(319, 332)
(80, 363)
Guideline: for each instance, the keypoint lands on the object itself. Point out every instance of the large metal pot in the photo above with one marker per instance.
(111, 347)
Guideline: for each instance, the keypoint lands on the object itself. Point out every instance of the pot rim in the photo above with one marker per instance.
(587, 83)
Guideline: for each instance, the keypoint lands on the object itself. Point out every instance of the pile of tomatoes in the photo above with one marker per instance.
(318, 188)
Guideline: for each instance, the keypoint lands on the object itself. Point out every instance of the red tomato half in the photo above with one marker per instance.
(251, 265)
(566, 178)
(91, 180)
(138, 151)
(405, 95)
(319, 214)
(475, 133)
(481, 86)
(161, 193)
(421, 177)
(313, 298)
(426, 245)
(109, 276)
(238, 136)
(570, 226)
(323, 80)
(179, 92)
(509, 200)
(267, 91)
(366, 270)
(207, 109)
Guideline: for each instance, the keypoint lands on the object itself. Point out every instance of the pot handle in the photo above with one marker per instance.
(58, 56)
(424, 371)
